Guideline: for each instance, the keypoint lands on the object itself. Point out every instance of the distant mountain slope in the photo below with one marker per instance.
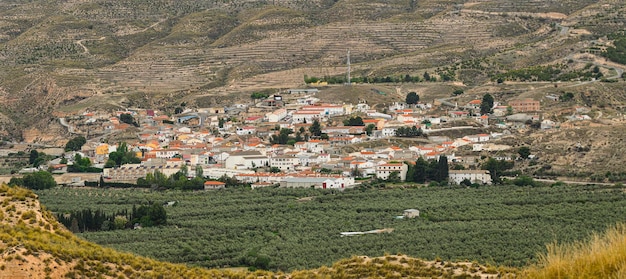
(60, 54)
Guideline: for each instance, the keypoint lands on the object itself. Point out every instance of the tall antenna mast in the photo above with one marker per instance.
(348, 83)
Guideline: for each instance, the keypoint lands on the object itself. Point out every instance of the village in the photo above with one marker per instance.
(292, 139)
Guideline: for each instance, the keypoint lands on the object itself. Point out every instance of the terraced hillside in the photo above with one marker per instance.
(60, 53)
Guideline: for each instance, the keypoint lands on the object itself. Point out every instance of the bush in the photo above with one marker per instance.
(524, 181)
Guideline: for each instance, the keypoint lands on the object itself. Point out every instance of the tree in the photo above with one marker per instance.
(122, 156)
(466, 182)
(412, 98)
(153, 215)
(393, 177)
(524, 152)
(33, 156)
(128, 119)
(486, 104)
(354, 121)
(37, 181)
(274, 170)
(524, 181)
(199, 171)
(80, 161)
(421, 169)
(426, 76)
(259, 95)
(457, 92)
(282, 137)
(355, 172)
(75, 144)
(184, 171)
(316, 128)
(496, 168)
(369, 128)
(409, 132)
(567, 96)
(442, 169)
(74, 226)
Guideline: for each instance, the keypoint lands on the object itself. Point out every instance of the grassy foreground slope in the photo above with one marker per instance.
(34, 245)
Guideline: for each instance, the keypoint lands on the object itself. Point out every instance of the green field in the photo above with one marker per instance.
(503, 225)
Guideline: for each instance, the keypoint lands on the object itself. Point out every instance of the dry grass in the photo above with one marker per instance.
(604, 256)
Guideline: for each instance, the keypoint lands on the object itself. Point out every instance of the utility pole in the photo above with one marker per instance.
(348, 62)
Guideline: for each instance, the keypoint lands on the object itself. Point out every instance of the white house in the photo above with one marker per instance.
(478, 138)
(547, 124)
(362, 107)
(276, 115)
(474, 176)
(384, 170)
(307, 116)
(246, 130)
(284, 163)
(388, 131)
(315, 146)
(167, 153)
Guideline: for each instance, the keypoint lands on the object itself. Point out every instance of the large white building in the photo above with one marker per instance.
(246, 160)
(284, 163)
(318, 182)
(326, 109)
(474, 176)
(384, 170)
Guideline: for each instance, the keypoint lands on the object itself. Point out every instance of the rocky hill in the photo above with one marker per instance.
(60, 56)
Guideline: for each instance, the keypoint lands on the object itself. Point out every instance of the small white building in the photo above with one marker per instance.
(411, 213)
(474, 176)
(214, 185)
(246, 130)
(389, 131)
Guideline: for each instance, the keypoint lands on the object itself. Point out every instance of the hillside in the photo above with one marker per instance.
(60, 56)
(35, 245)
